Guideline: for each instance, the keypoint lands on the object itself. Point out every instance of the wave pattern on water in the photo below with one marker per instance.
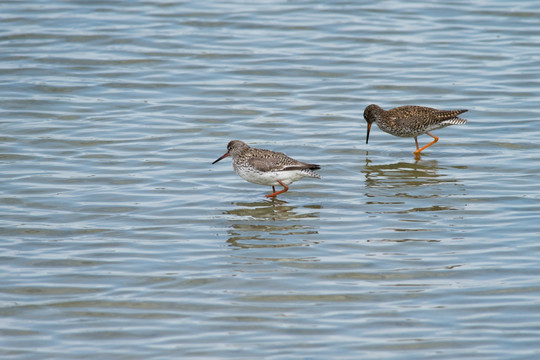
(121, 240)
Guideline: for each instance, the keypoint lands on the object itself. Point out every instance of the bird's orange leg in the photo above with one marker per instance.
(417, 152)
(285, 188)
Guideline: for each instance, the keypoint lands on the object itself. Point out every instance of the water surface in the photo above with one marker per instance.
(120, 240)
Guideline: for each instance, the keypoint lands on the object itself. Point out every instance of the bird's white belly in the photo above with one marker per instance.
(269, 178)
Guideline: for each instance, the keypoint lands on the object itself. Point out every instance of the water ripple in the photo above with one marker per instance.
(116, 227)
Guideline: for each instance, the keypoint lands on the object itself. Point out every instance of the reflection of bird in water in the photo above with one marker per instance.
(402, 173)
(404, 188)
(270, 224)
(265, 167)
(411, 121)
(273, 210)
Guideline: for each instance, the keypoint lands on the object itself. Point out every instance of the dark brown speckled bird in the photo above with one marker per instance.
(411, 121)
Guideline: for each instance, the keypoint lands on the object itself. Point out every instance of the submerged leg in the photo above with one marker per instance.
(285, 188)
(417, 152)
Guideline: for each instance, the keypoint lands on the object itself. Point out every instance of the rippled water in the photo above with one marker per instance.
(120, 239)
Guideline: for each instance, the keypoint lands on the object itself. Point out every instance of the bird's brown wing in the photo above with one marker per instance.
(277, 161)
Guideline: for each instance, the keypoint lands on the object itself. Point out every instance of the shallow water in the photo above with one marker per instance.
(121, 240)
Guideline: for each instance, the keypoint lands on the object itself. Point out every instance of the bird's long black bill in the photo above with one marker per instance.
(222, 157)
(368, 129)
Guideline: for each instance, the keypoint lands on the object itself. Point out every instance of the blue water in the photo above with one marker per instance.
(120, 240)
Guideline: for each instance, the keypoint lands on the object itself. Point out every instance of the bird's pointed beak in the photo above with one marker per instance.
(368, 129)
(222, 157)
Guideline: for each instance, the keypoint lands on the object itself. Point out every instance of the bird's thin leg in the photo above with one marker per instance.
(435, 139)
(416, 141)
(285, 188)
(273, 188)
